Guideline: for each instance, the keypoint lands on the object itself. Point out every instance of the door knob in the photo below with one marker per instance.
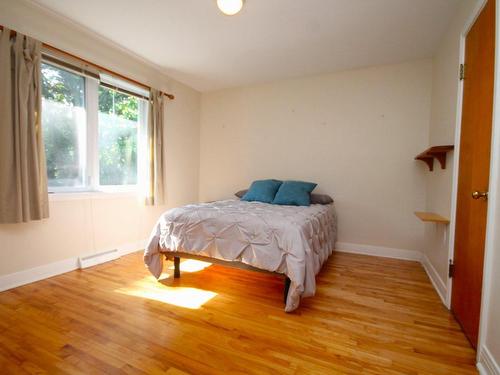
(480, 195)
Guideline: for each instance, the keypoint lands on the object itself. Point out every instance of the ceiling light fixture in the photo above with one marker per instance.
(230, 7)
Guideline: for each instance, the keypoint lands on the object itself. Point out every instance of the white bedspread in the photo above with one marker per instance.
(295, 241)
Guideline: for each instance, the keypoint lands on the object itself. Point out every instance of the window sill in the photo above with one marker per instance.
(82, 195)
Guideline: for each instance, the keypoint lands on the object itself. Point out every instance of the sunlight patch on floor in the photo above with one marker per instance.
(163, 276)
(192, 265)
(191, 298)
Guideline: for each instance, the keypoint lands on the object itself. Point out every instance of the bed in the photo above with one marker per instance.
(289, 240)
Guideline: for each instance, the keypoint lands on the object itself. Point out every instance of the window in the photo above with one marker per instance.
(64, 126)
(118, 128)
(91, 130)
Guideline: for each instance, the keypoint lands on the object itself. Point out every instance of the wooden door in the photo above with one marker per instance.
(474, 167)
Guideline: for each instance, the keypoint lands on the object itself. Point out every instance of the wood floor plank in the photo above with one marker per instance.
(369, 316)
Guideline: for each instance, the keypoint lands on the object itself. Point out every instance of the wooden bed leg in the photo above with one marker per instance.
(287, 287)
(177, 268)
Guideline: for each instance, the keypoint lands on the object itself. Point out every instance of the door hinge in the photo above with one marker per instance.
(451, 269)
(462, 72)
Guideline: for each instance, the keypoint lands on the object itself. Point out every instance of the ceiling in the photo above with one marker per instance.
(191, 41)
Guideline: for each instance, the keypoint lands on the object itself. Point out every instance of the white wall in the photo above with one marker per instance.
(489, 340)
(92, 224)
(355, 133)
(442, 132)
(491, 313)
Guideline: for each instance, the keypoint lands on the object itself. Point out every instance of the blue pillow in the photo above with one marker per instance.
(294, 193)
(262, 191)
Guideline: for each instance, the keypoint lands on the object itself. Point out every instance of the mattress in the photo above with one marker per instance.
(294, 241)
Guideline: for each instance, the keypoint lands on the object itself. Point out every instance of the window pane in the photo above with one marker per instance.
(64, 126)
(118, 126)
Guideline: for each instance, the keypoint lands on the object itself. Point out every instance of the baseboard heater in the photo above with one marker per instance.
(98, 258)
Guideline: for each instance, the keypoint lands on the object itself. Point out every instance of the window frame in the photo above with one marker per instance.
(142, 119)
(91, 157)
(85, 187)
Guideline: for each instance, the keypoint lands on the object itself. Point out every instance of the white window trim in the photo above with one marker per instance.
(92, 102)
(117, 188)
(80, 195)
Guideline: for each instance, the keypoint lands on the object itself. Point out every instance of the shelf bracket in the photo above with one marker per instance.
(441, 159)
(427, 160)
(435, 152)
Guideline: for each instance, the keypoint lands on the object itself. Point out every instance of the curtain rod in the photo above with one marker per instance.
(99, 67)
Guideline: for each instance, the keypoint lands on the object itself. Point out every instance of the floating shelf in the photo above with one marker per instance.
(435, 152)
(432, 217)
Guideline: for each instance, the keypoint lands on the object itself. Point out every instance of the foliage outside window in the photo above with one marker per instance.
(89, 143)
(64, 123)
(118, 127)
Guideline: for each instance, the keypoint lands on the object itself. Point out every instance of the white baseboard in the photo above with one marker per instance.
(31, 275)
(45, 271)
(487, 364)
(437, 282)
(379, 251)
(389, 252)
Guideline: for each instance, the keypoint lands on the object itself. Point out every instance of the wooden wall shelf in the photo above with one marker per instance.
(435, 152)
(432, 217)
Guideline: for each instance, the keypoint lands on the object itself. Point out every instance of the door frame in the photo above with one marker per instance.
(494, 180)
(493, 222)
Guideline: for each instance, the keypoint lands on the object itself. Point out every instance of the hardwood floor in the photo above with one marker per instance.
(370, 316)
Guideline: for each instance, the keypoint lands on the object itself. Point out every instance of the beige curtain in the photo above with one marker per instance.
(23, 176)
(156, 189)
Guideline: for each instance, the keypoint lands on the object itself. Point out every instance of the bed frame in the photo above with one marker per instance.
(176, 256)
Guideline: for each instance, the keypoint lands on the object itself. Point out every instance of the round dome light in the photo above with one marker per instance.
(230, 7)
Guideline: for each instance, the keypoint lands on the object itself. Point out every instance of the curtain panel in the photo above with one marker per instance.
(23, 176)
(154, 180)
